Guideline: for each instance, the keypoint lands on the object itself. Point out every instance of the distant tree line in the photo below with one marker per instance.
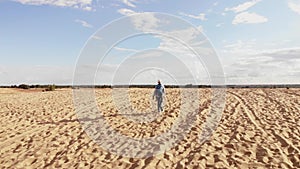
(53, 86)
(26, 86)
(193, 86)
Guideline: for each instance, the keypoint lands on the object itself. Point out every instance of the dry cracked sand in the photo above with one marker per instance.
(259, 128)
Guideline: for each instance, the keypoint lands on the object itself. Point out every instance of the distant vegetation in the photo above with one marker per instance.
(24, 86)
(273, 86)
(50, 88)
(53, 86)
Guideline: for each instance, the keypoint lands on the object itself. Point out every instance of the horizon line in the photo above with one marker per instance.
(166, 85)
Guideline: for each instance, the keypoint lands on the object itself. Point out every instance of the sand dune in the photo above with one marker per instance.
(259, 128)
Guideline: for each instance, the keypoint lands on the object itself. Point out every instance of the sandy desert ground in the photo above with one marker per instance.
(260, 128)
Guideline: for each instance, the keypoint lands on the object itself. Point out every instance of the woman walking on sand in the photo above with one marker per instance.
(159, 93)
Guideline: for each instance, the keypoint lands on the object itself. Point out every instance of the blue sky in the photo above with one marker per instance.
(257, 41)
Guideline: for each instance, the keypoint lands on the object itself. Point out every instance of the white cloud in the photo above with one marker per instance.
(147, 66)
(188, 34)
(129, 3)
(175, 40)
(126, 12)
(163, 57)
(247, 62)
(84, 23)
(201, 16)
(87, 8)
(239, 44)
(96, 37)
(239, 48)
(249, 18)
(125, 49)
(189, 39)
(200, 28)
(145, 22)
(267, 66)
(294, 6)
(36, 74)
(219, 25)
(243, 7)
(81, 4)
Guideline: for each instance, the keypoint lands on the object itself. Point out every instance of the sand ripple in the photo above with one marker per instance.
(259, 129)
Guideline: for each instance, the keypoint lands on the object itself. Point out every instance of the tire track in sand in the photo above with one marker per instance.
(280, 138)
(18, 137)
(255, 120)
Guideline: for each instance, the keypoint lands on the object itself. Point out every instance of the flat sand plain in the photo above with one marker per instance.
(259, 128)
